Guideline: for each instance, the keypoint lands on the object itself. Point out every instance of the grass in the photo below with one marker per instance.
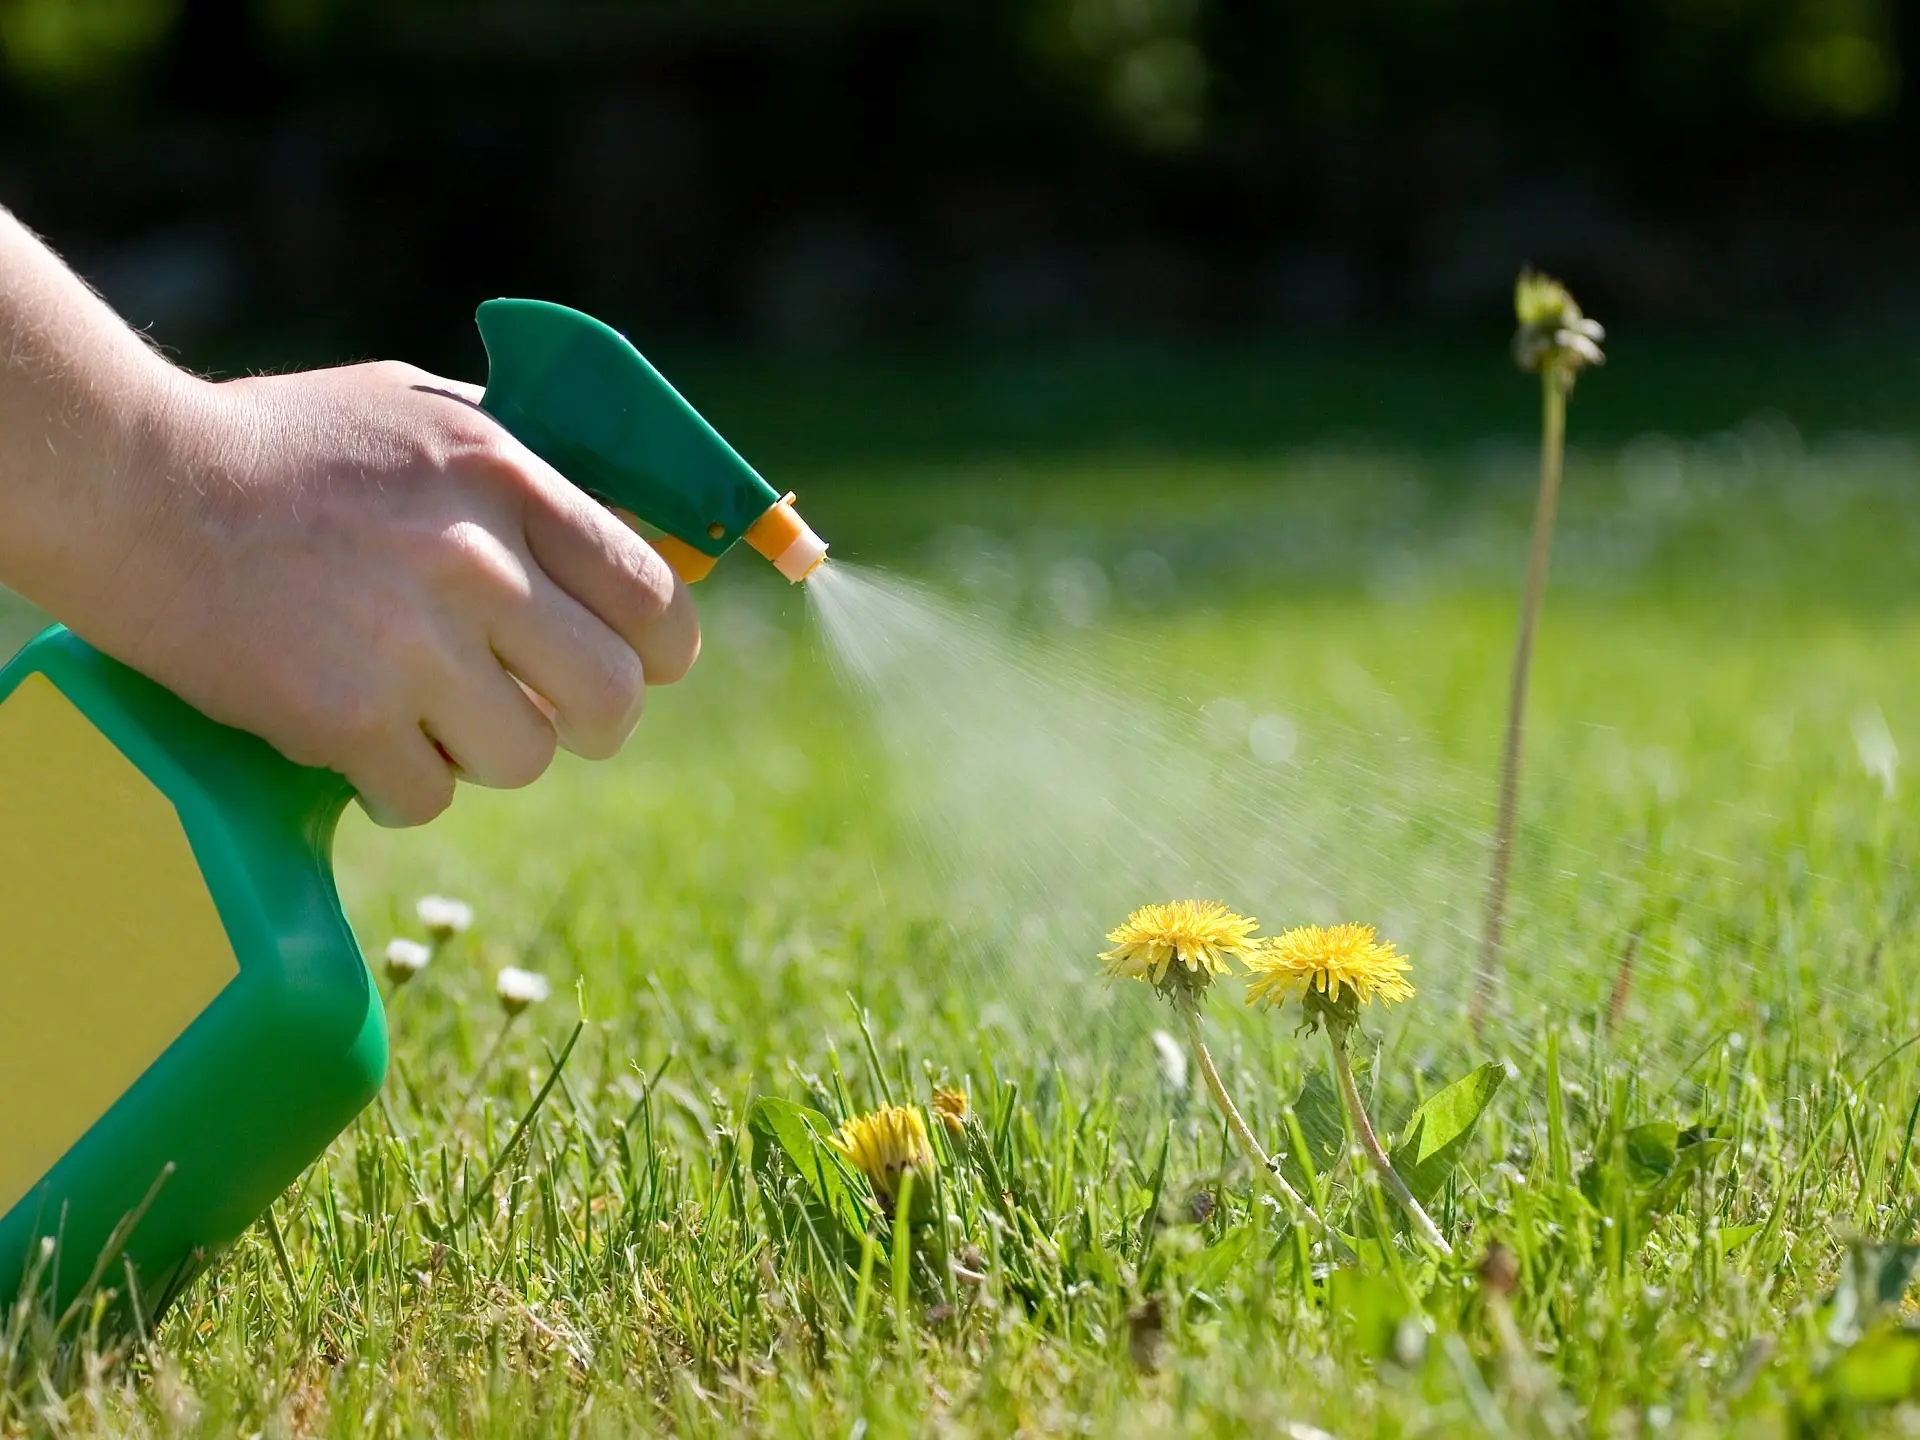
(1709, 1094)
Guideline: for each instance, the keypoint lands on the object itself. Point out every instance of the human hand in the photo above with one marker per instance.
(362, 567)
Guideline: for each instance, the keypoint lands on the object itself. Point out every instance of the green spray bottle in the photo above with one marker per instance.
(186, 1019)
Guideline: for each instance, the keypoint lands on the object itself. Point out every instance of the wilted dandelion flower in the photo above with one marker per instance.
(1178, 947)
(519, 988)
(950, 1108)
(1333, 970)
(1556, 342)
(1553, 335)
(405, 959)
(884, 1145)
(444, 917)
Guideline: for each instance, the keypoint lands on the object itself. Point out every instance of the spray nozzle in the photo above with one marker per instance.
(779, 534)
(574, 392)
(788, 541)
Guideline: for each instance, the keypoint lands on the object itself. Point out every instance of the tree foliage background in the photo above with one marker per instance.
(819, 175)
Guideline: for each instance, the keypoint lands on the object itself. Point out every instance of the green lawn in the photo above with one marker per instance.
(1713, 927)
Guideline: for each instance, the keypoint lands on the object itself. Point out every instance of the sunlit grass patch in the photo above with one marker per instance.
(1700, 1094)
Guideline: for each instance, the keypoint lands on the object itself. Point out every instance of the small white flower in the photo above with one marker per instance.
(406, 959)
(519, 988)
(444, 917)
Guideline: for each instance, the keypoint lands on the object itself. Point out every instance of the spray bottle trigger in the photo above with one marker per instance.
(689, 564)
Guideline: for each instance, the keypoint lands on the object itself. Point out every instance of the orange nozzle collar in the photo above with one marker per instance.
(787, 540)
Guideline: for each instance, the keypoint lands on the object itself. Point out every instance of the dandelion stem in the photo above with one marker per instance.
(1553, 439)
(486, 1062)
(1370, 1142)
(1243, 1137)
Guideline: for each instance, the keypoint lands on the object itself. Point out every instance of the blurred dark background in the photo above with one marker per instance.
(272, 181)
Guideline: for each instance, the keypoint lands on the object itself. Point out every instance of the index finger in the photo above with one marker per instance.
(592, 555)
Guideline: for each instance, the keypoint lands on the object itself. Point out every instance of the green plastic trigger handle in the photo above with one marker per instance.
(263, 1079)
(578, 395)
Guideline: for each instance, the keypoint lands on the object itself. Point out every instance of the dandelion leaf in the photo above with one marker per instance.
(1213, 1265)
(1688, 1161)
(1661, 1160)
(1323, 1125)
(1652, 1149)
(1439, 1131)
(790, 1149)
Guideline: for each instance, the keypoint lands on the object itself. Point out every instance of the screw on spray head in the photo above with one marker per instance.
(585, 401)
(779, 534)
(788, 541)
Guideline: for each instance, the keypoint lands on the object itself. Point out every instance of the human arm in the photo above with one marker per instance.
(356, 564)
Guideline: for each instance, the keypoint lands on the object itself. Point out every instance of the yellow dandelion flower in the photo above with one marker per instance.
(1184, 942)
(884, 1145)
(950, 1108)
(1341, 966)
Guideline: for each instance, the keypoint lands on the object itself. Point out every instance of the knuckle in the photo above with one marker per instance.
(427, 547)
(464, 449)
(490, 564)
(397, 372)
(464, 555)
(492, 454)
